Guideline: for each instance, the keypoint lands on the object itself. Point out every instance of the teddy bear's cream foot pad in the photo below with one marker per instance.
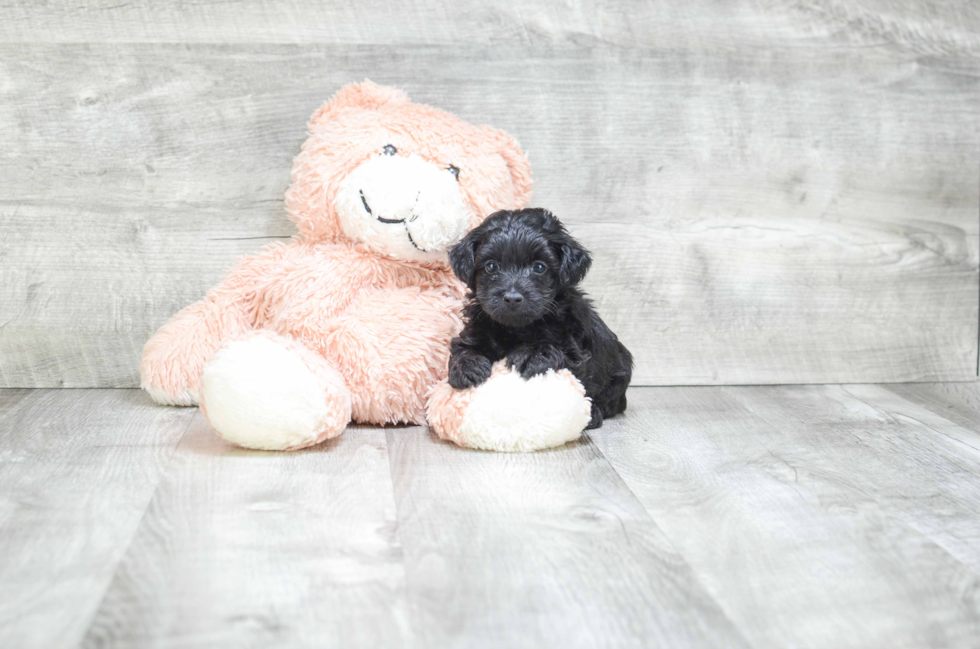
(268, 392)
(509, 413)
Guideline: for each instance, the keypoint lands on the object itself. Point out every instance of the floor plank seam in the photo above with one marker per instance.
(124, 549)
(706, 588)
(960, 443)
(896, 518)
(398, 532)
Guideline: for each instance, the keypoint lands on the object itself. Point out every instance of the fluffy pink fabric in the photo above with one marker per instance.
(383, 324)
(446, 407)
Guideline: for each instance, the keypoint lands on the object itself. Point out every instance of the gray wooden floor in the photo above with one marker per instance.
(804, 516)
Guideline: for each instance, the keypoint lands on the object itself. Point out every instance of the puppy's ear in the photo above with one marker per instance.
(575, 260)
(462, 258)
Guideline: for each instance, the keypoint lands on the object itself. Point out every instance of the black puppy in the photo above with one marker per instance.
(522, 268)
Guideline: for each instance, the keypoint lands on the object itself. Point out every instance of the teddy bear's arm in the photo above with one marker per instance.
(174, 357)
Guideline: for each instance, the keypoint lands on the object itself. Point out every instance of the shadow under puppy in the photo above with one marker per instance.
(523, 268)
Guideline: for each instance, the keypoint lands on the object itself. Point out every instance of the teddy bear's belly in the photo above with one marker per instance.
(390, 344)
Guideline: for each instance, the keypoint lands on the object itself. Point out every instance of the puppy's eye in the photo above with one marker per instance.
(389, 150)
(491, 267)
(538, 267)
(454, 170)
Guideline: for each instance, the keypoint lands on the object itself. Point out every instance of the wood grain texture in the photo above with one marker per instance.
(893, 457)
(931, 25)
(795, 200)
(539, 550)
(77, 471)
(815, 518)
(958, 402)
(803, 516)
(253, 549)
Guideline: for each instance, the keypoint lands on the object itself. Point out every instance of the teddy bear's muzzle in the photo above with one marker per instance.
(403, 206)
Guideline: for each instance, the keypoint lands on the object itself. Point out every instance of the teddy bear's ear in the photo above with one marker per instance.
(357, 95)
(517, 164)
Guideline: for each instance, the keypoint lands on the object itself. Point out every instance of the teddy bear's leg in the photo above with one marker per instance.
(392, 346)
(170, 369)
(509, 413)
(266, 391)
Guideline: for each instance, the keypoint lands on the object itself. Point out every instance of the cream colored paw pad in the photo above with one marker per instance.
(260, 394)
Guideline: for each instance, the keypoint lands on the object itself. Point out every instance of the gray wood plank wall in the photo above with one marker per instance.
(773, 192)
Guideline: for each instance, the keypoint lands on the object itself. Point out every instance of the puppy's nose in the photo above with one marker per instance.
(513, 298)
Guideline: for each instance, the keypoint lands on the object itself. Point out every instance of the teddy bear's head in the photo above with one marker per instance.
(401, 179)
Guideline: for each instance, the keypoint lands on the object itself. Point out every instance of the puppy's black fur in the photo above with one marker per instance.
(522, 268)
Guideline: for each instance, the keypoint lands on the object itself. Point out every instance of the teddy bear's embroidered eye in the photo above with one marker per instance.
(491, 267)
(538, 267)
(389, 150)
(454, 170)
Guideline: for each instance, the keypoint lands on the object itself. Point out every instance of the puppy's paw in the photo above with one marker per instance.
(517, 359)
(596, 420)
(532, 362)
(468, 371)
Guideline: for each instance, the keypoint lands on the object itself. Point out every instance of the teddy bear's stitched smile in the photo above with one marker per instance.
(384, 220)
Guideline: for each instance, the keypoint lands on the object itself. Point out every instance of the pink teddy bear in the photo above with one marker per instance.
(352, 319)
